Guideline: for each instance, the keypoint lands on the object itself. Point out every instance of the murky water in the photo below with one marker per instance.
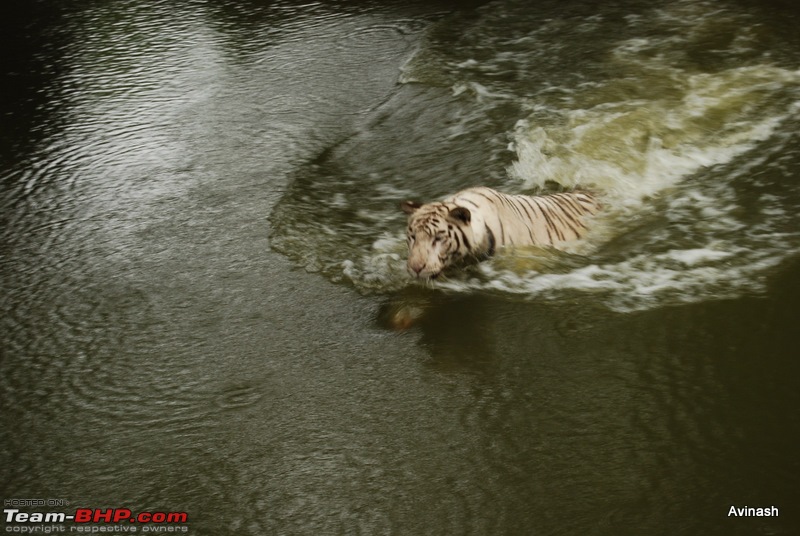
(202, 258)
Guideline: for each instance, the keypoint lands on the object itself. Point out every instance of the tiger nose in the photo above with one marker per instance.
(417, 268)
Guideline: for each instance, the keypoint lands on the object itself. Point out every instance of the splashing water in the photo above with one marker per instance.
(680, 118)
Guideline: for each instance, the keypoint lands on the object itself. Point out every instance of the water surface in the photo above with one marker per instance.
(202, 259)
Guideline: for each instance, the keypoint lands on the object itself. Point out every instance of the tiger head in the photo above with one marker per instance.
(438, 235)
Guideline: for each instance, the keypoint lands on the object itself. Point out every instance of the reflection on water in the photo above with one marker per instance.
(171, 171)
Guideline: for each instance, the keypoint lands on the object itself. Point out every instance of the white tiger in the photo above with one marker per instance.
(473, 223)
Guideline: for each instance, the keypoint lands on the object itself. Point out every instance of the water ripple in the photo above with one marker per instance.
(239, 397)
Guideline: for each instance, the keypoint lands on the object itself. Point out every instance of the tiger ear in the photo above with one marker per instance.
(461, 214)
(409, 207)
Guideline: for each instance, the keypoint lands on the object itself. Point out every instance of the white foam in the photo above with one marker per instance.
(639, 147)
(638, 283)
(692, 257)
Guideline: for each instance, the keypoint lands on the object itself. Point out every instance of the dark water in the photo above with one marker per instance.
(202, 263)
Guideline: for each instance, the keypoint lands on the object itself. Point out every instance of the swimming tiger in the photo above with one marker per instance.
(473, 223)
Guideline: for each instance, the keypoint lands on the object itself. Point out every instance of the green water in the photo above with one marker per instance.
(204, 301)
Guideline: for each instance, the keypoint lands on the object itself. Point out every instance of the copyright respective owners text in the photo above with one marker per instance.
(55, 515)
